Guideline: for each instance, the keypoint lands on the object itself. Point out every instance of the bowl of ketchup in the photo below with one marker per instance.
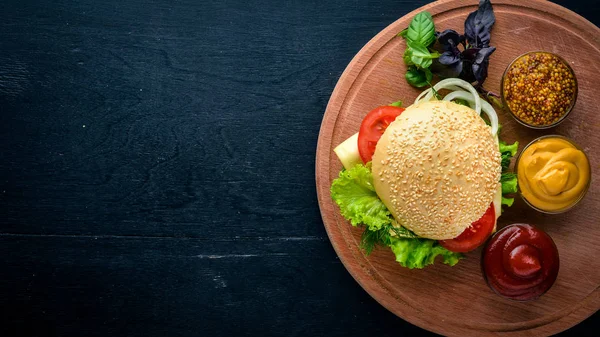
(520, 262)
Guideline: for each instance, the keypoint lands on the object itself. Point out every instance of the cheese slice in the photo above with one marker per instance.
(348, 153)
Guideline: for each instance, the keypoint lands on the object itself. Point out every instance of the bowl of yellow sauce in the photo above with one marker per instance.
(553, 173)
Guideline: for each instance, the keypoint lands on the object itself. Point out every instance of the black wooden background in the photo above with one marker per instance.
(157, 167)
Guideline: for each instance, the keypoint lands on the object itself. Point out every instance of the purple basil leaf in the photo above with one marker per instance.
(467, 73)
(480, 65)
(450, 39)
(449, 58)
(470, 54)
(455, 69)
(468, 57)
(479, 24)
(446, 71)
(484, 53)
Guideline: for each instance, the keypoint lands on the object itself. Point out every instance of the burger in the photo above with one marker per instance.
(437, 169)
(424, 181)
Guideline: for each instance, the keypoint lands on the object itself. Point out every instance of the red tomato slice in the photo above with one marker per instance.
(473, 236)
(372, 127)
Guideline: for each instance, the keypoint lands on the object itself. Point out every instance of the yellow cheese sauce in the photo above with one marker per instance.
(553, 174)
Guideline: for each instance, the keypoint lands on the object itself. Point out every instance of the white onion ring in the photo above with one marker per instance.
(491, 113)
(461, 95)
(463, 90)
(486, 107)
(421, 95)
(452, 83)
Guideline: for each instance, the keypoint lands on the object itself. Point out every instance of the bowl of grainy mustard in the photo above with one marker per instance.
(539, 89)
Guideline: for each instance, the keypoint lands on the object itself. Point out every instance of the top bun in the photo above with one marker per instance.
(437, 168)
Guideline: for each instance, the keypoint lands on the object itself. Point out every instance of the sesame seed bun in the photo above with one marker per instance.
(437, 168)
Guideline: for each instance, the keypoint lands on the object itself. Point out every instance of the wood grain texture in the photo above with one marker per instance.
(186, 206)
(431, 297)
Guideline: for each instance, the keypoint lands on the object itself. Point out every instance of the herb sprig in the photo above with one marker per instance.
(419, 36)
(383, 236)
(471, 63)
(450, 54)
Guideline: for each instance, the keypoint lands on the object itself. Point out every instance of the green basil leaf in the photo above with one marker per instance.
(407, 57)
(421, 56)
(421, 29)
(422, 51)
(418, 77)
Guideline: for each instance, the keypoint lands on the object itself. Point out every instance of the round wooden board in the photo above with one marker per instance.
(455, 300)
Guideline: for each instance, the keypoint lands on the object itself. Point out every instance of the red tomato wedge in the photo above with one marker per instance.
(473, 236)
(372, 127)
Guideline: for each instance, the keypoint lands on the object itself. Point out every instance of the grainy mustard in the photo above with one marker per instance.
(539, 88)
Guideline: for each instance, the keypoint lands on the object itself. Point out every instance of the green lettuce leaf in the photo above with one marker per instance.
(418, 253)
(507, 152)
(512, 149)
(354, 193)
(505, 161)
(507, 179)
(507, 201)
(509, 183)
(461, 102)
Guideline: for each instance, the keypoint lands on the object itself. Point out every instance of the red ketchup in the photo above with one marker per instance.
(520, 262)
